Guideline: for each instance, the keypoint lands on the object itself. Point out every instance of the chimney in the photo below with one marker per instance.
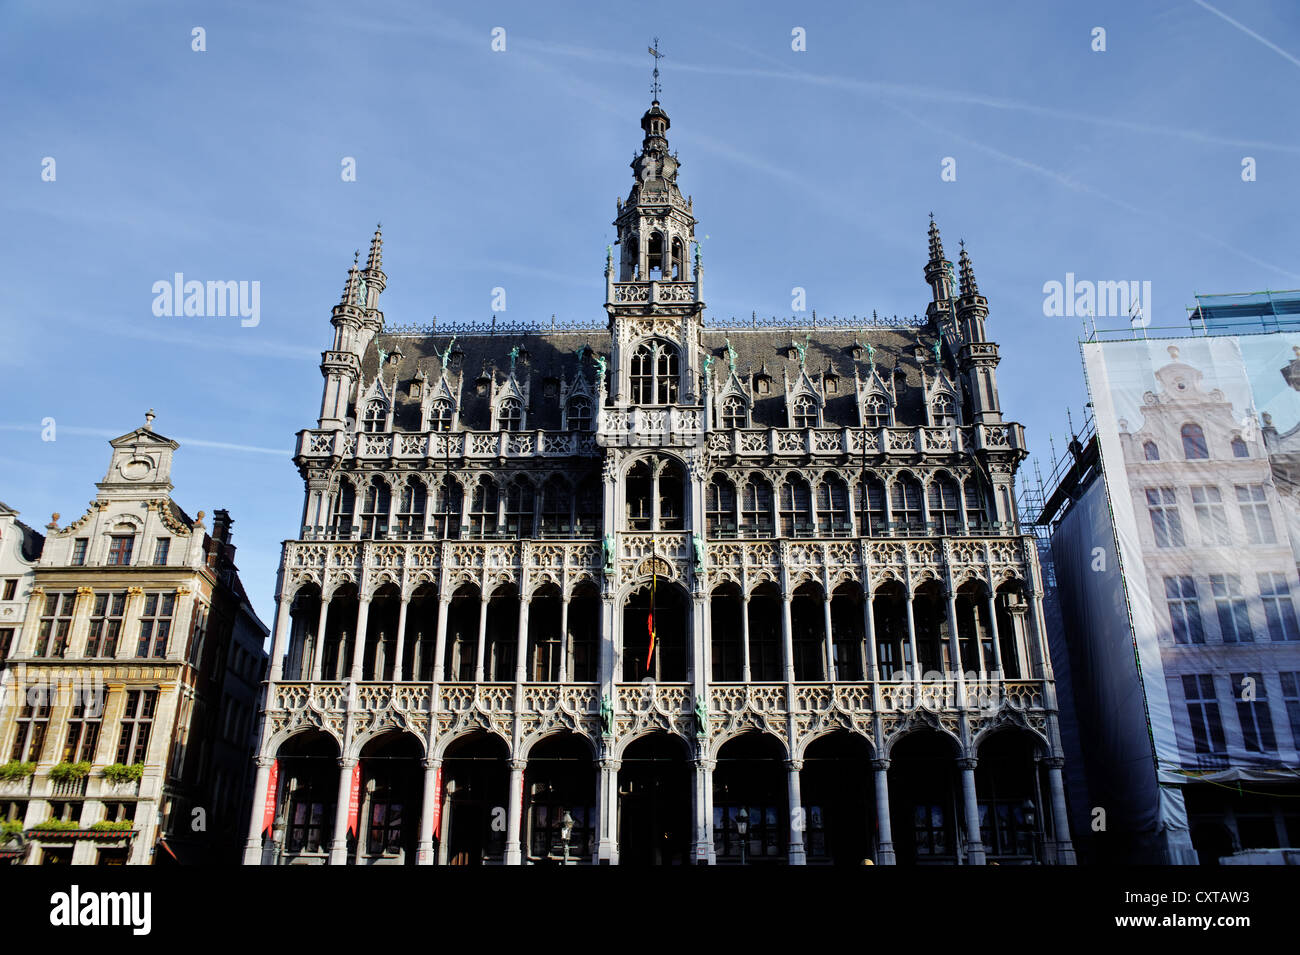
(222, 549)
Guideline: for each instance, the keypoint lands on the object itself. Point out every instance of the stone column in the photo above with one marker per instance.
(79, 630)
(607, 809)
(787, 640)
(359, 643)
(480, 647)
(911, 640)
(745, 672)
(440, 639)
(702, 851)
(399, 673)
(515, 814)
(885, 842)
(428, 803)
(869, 629)
(281, 638)
(974, 846)
(521, 648)
(991, 607)
(563, 674)
(253, 846)
(831, 674)
(318, 645)
(1060, 815)
(339, 845)
(797, 820)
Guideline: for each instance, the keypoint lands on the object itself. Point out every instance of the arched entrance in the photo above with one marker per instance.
(560, 821)
(751, 777)
(1010, 798)
(475, 798)
(666, 660)
(307, 792)
(654, 802)
(392, 783)
(838, 793)
(923, 799)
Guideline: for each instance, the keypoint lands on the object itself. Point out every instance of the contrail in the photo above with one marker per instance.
(1246, 30)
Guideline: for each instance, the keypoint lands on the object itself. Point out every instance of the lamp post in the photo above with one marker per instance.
(566, 833)
(742, 830)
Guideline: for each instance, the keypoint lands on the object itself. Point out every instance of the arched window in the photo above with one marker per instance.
(656, 494)
(557, 502)
(720, 508)
(440, 415)
(672, 495)
(640, 497)
(656, 251)
(483, 508)
(871, 506)
(1239, 449)
(805, 412)
(520, 498)
(945, 507)
(974, 501)
(756, 508)
(734, 413)
(833, 507)
(374, 510)
(941, 411)
(344, 505)
(447, 499)
(679, 261)
(1150, 451)
(579, 413)
(796, 508)
(1194, 442)
(510, 417)
(376, 413)
(586, 509)
(905, 503)
(875, 412)
(410, 508)
(654, 373)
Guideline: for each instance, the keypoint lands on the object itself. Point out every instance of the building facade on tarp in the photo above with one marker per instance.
(1173, 543)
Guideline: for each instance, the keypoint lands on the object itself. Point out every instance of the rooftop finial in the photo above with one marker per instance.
(148, 419)
(375, 261)
(936, 242)
(966, 273)
(654, 89)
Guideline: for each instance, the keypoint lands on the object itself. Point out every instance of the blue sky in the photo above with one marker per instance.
(814, 169)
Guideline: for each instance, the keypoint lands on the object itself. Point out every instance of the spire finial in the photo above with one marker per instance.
(148, 419)
(966, 273)
(936, 242)
(654, 89)
(375, 260)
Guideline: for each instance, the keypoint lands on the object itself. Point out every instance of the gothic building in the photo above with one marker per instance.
(660, 589)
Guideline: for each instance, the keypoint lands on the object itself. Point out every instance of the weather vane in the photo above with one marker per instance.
(654, 51)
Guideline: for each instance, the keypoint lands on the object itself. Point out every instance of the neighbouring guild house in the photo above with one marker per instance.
(132, 679)
(660, 588)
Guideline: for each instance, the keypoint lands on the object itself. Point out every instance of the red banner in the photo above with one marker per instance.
(437, 803)
(354, 799)
(268, 815)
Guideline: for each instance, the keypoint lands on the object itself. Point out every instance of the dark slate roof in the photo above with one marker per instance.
(551, 355)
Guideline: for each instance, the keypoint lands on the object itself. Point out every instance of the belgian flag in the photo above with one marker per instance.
(650, 622)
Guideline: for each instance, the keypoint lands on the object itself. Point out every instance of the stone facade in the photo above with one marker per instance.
(138, 651)
(660, 590)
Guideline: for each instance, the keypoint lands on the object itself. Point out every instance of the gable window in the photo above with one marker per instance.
(1194, 442)
(376, 412)
(734, 413)
(1150, 451)
(510, 417)
(440, 415)
(654, 373)
(804, 414)
(941, 411)
(160, 550)
(79, 551)
(1239, 449)
(119, 549)
(579, 414)
(875, 412)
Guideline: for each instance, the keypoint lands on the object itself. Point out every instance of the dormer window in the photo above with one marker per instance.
(511, 415)
(440, 416)
(941, 411)
(734, 413)
(376, 412)
(579, 414)
(416, 390)
(805, 412)
(875, 412)
(1150, 451)
(654, 373)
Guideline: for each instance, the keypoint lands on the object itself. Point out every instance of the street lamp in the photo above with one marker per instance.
(566, 833)
(742, 830)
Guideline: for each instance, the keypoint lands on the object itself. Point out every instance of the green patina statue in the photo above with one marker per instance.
(514, 357)
(701, 717)
(446, 355)
(697, 546)
(606, 717)
(708, 365)
(731, 356)
(607, 551)
(600, 370)
(936, 348)
(802, 350)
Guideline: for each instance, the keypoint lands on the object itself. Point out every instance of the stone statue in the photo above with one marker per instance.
(606, 717)
(609, 257)
(701, 717)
